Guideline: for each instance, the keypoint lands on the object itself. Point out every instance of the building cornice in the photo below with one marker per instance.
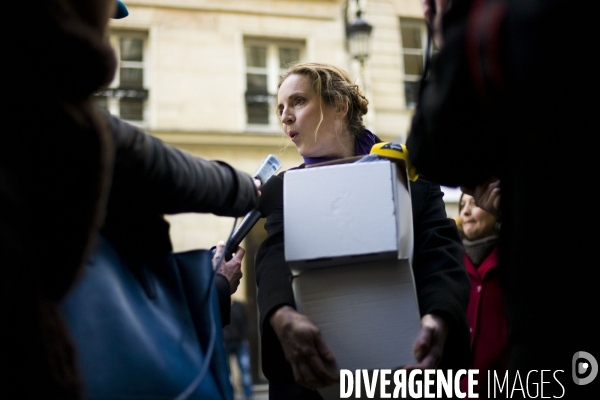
(288, 9)
(218, 138)
(195, 138)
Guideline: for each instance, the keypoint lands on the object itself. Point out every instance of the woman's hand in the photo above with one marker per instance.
(311, 360)
(487, 196)
(232, 269)
(257, 185)
(429, 346)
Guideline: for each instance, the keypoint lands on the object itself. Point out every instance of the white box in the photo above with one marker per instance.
(349, 241)
(367, 312)
(357, 306)
(347, 213)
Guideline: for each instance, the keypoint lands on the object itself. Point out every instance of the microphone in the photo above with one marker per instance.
(271, 197)
(267, 168)
(271, 193)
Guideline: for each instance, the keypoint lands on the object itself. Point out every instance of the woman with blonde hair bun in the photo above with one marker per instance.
(321, 110)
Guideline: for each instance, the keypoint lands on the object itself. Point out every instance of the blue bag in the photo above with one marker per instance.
(148, 331)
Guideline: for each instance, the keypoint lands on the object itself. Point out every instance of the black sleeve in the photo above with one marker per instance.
(151, 177)
(224, 295)
(441, 279)
(273, 278)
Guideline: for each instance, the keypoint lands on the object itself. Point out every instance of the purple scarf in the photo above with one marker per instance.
(362, 146)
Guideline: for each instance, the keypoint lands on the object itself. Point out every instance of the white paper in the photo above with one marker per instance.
(367, 313)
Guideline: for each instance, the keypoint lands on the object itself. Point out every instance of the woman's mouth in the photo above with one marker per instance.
(293, 135)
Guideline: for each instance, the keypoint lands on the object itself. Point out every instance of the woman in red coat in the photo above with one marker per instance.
(487, 318)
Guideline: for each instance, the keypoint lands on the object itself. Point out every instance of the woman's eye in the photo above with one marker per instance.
(299, 100)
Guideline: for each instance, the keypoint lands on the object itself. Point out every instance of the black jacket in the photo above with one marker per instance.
(151, 178)
(441, 280)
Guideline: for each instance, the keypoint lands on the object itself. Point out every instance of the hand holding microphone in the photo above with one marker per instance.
(271, 195)
(232, 269)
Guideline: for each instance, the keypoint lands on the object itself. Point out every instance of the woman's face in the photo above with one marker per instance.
(298, 107)
(476, 223)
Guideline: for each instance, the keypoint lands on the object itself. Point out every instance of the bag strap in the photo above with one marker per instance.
(209, 352)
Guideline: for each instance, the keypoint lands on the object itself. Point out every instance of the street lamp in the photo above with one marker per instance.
(358, 35)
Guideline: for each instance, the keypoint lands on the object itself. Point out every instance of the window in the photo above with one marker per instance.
(414, 42)
(126, 97)
(266, 60)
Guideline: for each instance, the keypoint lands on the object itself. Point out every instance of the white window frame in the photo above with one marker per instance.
(273, 72)
(113, 102)
(419, 24)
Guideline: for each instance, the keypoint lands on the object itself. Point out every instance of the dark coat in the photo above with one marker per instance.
(441, 280)
(535, 131)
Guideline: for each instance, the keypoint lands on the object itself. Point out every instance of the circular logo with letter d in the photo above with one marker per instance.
(585, 368)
